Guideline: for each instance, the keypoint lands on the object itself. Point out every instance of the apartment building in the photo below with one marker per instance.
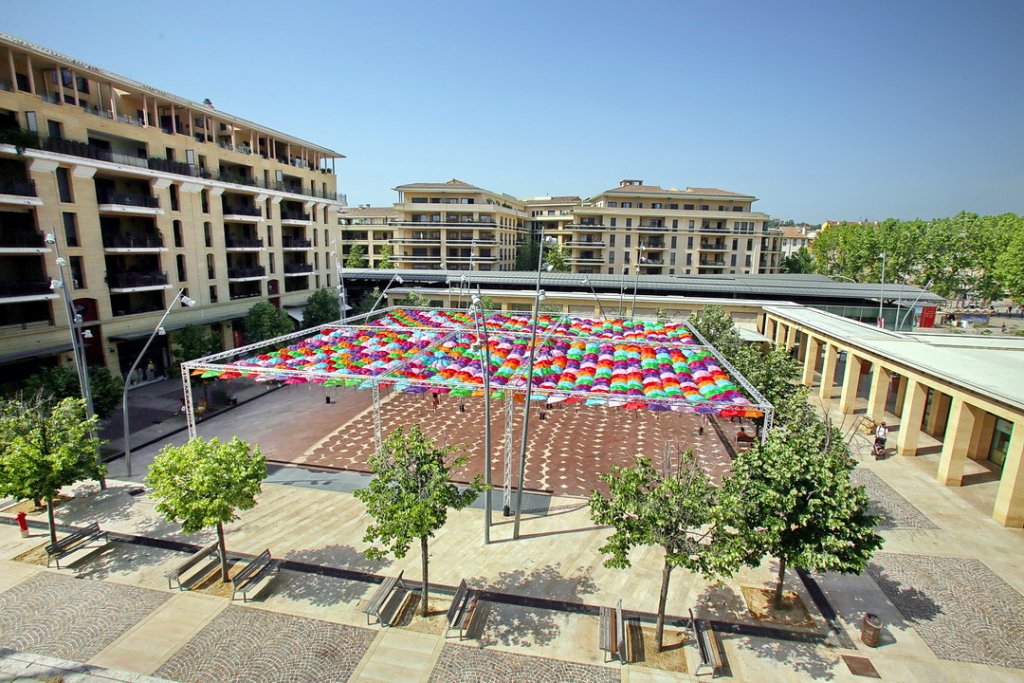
(371, 228)
(145, 192)
(797, 237)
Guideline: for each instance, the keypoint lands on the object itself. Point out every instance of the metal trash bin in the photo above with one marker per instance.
(870, 629)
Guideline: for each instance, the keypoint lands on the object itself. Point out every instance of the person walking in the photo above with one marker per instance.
(881, 436)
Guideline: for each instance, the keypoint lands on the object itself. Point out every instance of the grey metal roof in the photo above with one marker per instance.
(748, 286)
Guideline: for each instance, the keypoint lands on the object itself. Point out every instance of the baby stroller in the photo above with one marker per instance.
(878, 449)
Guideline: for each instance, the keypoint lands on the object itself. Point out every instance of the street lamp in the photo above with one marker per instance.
(342, 304)
(881, 294)
(157, 331)
(397, 278)
(586, 281)
(529, 379)
(636, 280)
(480, 318)
(622, 289)
(74, 324)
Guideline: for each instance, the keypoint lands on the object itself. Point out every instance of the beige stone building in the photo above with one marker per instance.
(146, 192)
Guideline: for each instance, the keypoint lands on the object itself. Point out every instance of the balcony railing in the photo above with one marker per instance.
(129, 280)
(126, 199)
(251, 271)
(712, 245)
(288, 215)
(298, 268)
(241, 210)
(295, 243)
(30, 287)
(243, 243)
(133, 242)
(21, 188)
(21, 239)
(653, 245)
(715, 264)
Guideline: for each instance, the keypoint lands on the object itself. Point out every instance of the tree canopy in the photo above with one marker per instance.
(799, 261)
(194, 341)
(205, 483)
(322, 307)
(356, 257)
(410, 495)
(264, 321)
(367, 300)
(557, 257)
(385, 262)
(61, 381)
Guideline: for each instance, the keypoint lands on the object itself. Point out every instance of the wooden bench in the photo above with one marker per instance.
(710, 648)
(189, 564)
(744, 440)
(73, 542)
(380, 599)
(252, 575)
(614, 635)
(460, 613)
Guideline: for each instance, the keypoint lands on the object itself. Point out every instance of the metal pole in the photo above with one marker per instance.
(636, 280)
(374, 307)
(127, 378)
(899, 302)
(529, 388)
(587, 281)
(881, 294)
(622, 289)
(75, 326)
(482, 332)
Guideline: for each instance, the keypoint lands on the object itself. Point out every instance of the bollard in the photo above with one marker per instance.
(870, 629)
(23, 524)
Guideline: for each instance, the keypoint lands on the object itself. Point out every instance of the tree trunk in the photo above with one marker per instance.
(223, 553)
(659, 629)
(425, 591)
(49, 516)
(777, 601)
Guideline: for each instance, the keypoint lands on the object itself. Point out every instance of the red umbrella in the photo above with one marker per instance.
(575, 399)
(634, 405)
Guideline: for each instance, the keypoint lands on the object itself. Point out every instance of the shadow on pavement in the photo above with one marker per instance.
(324, 590)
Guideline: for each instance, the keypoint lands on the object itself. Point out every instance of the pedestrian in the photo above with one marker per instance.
(882, 434)
(1004, 328)
(434, 401)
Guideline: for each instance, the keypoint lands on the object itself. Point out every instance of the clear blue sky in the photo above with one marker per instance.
(865, 109)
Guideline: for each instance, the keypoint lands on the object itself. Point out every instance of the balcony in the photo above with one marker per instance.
(710, 263)
(585, 243)
(241, 213)
(292, 269)
(245, 274)
(416, 240)
(291, 217)
(646, 226)
(586, 258)
(18, 192)
(139, 244)
(243, 244)
(136, 282)
(17, 291)
(653, 244)
(295, 243)
(130, 204)
(706, 245)
(419, 258)
(23, 242)
(470, 259)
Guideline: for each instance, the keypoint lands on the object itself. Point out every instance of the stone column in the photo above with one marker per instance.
(780, 334)
(828, 371)
(1009, 508)
(901, 393)
(790, 336)
(956, 442)
(910, 421)
(811, 359)
(851, 382)
(881, 378)
(981, 440)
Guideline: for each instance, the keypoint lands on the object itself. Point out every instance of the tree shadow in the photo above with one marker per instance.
(803, 658)
(915, 605)
(92, 504)
(512, 622)
(119, 559)
(348, 585)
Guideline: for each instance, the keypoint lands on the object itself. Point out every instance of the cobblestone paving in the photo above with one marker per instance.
(252, 645)
(568, 449)
(896, 511)
(60, 616)
(459, 663)
(962, 610)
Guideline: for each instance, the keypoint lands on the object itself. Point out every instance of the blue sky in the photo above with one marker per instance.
(822, 109)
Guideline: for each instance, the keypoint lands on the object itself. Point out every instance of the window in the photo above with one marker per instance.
(178, 238)
(640, 205)
(673, 242)
(611, 257)
(675, 224)
(173, 190)
(270, 236)
(31, 122)
(737, 208)
(181, 268)
(190, 157)
(673, 207)
(55, 129)
(655, 205)
(749, 260)
(419, 200)
(704, 207)
(689, 242)
(204, 197)
(213, 294)
(688, 207)
(64, 185)
(611, 240)
(207, 236)
(613, 205)
(735, 244)
(82, 84)
(612, 222)
(689, 260)
(77, 272)
(71, 229)
(629, 224)
(732, 261)
(272, 263)
(211, 273)
(721, 207)
(314, 237)
(750, 245)
(672, 259)
(691, 225)
(169, 153)
(627, 243)
(625, 257)
(627, 205)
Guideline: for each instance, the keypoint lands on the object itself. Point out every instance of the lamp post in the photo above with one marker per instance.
(586, 281)
(881, 294)
(480, 318)
(396, 278)
(529, 382)
(622, 290)
(342, 303)
(74, 324)
(636, 280)
(158, 330)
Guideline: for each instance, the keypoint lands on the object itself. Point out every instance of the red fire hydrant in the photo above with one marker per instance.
(22, 524)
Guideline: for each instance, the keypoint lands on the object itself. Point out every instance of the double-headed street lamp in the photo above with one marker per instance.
(636, 280)
(480, 318)
(586, 281)
(881, 294)
(74, 324)
(396, 278)
(342, 304)
(158, 330)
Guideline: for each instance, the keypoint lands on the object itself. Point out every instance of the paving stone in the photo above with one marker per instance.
(896, 511)
(459, 663)
(60, 616)
(962, 610)
(256, 646)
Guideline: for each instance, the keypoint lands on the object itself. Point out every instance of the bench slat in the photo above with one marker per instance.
(73, 542)
(189, 563)
(381, 596)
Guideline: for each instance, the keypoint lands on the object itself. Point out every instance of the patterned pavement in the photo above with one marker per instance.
(252, 645)
(460, 663)
(567, 450)
(56, 615)
(896, 511)
(962, 610)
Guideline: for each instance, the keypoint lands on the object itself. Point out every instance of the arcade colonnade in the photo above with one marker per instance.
(932, 388)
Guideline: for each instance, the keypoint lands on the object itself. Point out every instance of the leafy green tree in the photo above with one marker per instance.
(718, 329)
(264, 321)
(413, 298)
(204, 483)
(791, 498)
(45, 446)
(321, 308)
(1010, 267)
(674, 512)
(776, 375)
(557, 257)
(61, 381)
(194, 341)
(386, 252)
(356, 257)
(489, 304)
(367, 300)
(799, 261)
(410, 495)
(526, 255)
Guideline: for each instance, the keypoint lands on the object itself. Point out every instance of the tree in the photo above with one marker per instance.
(675, 512)
(356, 257)
(204, 483)
(194, 341)
(413, 298)
(321, 308)
(367, 300)
(791, 498)
(526, 255)
(59, 382)
(718, 328)
(410, 495)
(557, 257)
(264, 321)
(386, 252)
(1010, 267)
(45, 446)
(799, 261)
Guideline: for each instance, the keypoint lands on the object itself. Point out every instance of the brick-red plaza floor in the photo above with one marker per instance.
(567, 450)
